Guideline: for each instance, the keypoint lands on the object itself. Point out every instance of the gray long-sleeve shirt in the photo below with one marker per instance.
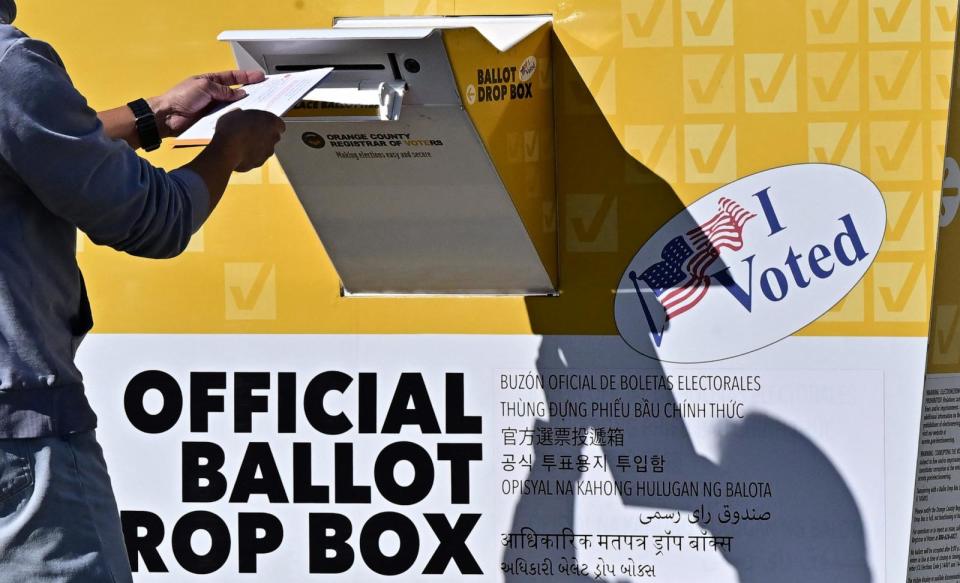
(60, 173)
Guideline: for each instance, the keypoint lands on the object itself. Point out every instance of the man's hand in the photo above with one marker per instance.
(244, 140)
(249, 137)
(182, 106)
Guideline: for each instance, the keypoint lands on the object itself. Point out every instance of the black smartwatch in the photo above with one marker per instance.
(146, 123)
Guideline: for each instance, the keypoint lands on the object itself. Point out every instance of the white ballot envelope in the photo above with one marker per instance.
(276, 94)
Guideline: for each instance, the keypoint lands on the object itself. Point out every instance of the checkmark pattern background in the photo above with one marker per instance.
(699, 91)
(862, 83)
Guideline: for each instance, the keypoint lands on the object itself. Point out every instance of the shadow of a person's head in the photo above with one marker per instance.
(816, 533)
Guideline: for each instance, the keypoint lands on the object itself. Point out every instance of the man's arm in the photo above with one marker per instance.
(56, 145)
(119, 124)
(182, 106)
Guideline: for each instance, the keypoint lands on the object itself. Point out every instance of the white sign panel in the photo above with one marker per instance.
(505, 458)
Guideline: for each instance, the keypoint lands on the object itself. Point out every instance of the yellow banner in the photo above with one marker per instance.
(658, 103)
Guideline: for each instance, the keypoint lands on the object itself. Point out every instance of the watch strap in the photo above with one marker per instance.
(146, 123)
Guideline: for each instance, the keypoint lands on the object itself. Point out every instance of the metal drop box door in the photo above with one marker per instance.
(446, 185)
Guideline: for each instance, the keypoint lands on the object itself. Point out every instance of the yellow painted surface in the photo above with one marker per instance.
(517, 127)
(658, 103)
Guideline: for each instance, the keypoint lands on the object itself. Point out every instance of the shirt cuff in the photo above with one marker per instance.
(199, 196)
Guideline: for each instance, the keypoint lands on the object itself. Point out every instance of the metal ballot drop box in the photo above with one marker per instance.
(425, 160)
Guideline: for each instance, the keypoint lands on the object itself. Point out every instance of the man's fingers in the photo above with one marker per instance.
(238, 77)
(221, 92)
(219, 83)
(254, 76)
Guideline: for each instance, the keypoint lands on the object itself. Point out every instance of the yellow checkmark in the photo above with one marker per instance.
(655, 146)
(251, 291)
(600, 75)
(896, 153)
(943, 17)
(834, 81)
(941, 71)
(905, 220)
(647, 23)
(591, 223)
(827, 21)
(709, 83)
(832, 21)
(888, 23)
(945, 344)
(895, 20)
(942, 82)
(711, 153)
(895, 79)
(835, 143)
(531, 146)
(900, 294)
(771, 82)
(707, 22)
(644, 26)
(894, 161)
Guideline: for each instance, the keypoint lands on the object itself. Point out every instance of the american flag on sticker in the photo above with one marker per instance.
(680, 280)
